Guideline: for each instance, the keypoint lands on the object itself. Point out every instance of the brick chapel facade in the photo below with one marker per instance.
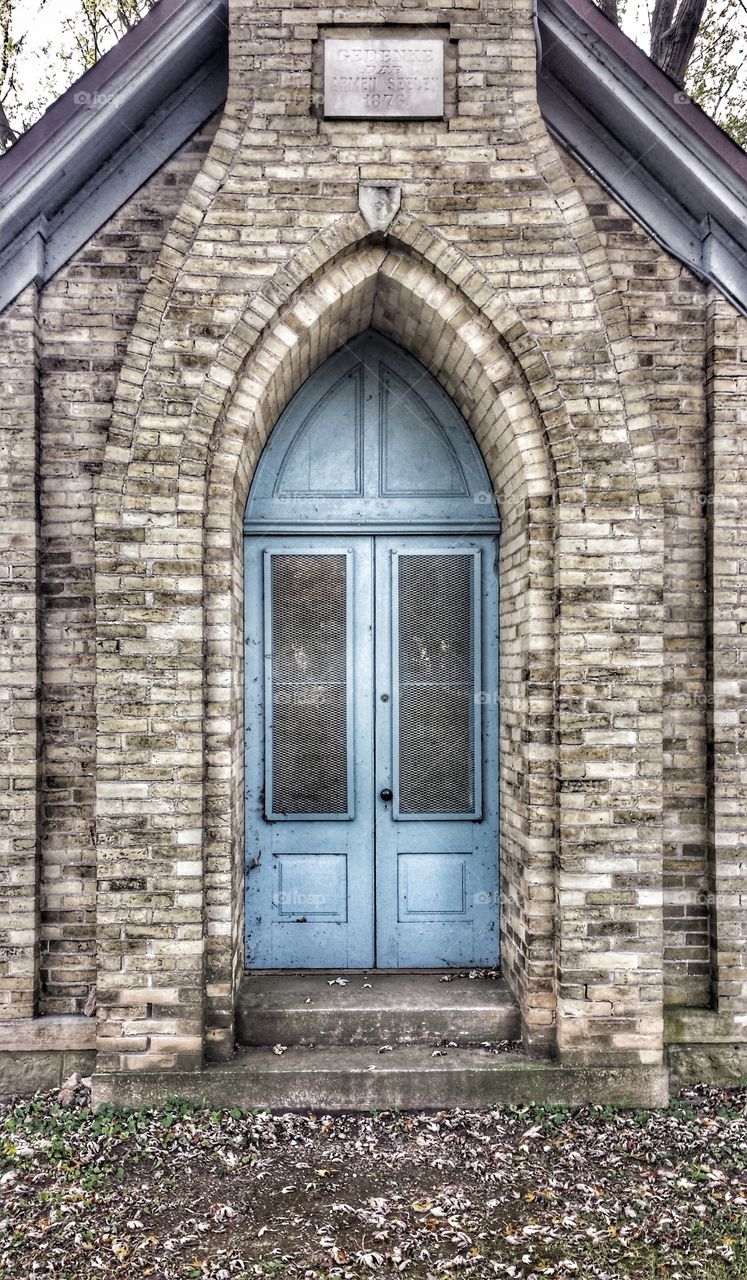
(183, 251)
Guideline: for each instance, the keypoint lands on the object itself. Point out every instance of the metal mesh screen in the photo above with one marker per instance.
(436, 684)
(309, 684)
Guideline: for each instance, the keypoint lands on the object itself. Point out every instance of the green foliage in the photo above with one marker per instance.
(11, 47)
(716, 77)
(96, 27)
(32, 75)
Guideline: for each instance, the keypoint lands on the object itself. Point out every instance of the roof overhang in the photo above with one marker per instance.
(657, 153)
(645, 141)
(107, 135)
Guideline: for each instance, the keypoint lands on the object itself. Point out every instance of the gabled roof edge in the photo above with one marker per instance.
(652, 148)
(70, 173)
(645, 141)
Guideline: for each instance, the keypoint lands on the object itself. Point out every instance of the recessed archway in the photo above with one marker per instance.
(403, 299)
(532, 461)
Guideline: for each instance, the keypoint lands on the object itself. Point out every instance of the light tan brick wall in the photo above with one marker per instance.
(19, 646)
(86, 313)
(575, 348)
(501, 227)
(726, 365)
(666, 311)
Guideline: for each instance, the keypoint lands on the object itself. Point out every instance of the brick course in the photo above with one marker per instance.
(19, 659)
(86, 313)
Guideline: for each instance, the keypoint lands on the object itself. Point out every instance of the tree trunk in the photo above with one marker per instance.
(673, 35)
(609, 9)
(7, 135)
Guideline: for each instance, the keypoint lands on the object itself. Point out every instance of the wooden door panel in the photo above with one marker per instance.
(437, 751)
(309, 753)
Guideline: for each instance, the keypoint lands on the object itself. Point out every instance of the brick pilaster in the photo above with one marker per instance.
(726, 383)
(19, 655)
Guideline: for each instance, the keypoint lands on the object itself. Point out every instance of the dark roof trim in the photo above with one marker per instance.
(658, 154)
(107, 135)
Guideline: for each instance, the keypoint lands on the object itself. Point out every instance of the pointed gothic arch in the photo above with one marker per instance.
(531, 457)
(402, 298)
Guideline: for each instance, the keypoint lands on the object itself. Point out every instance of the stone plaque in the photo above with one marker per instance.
(384, 79)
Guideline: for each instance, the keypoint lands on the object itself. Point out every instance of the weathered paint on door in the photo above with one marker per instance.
(436, 750)
(371, 678)
(310, 753)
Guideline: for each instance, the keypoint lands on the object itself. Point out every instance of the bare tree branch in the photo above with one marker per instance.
(698, 44)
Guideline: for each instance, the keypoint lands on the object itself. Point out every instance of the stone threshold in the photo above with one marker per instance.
(374, 1008)
(339, 1079)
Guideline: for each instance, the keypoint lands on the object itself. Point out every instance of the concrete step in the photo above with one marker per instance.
(360, 1079)
(374, 1009)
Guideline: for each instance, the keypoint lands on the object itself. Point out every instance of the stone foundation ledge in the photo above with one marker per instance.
(58, 1032)
(722, 1064)
(345, 1079)
(703, 1045)
(39, 1053)
(704, 1026)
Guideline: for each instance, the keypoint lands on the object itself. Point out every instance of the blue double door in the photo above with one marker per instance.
(371, 751)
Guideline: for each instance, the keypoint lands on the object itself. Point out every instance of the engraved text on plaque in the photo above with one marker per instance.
(384, 78)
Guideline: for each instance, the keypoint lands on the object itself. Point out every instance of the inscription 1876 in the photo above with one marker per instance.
(384, 78)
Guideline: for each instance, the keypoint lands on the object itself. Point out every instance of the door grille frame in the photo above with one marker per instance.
(348, 814)
(475, 812)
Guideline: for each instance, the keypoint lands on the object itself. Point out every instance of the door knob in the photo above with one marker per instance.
(385, 793)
